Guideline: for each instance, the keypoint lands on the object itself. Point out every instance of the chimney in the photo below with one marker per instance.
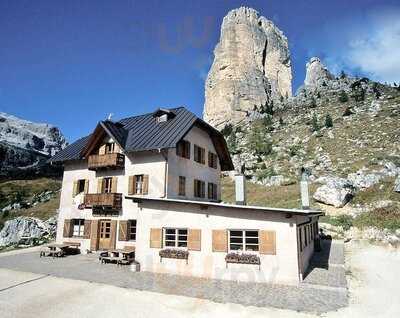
(240, 189)
(305, 198)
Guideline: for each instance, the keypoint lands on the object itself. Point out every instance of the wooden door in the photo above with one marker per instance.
(106, 235)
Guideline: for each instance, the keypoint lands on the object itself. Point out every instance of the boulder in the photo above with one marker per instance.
(363, 180)
(397, 185)
(336, 191)
(25, 227)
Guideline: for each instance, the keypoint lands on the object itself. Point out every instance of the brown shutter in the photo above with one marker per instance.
(195, 190)
(113, 234)
(194, 240)
(67, 228)
(131, 185)
(94, 235)
(203, 189)
(86, 189)
(209, 190)
(267, 242)
(114, 184)
(102, 149)
(87, 228)
(187, 148)
(100, 185)
(155, 238)
(203, 156)
(75, 189)
(145, 184)
(219, 241)
(117, 148)
(123, 231)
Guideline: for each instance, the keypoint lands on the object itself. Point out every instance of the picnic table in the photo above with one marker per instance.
(54, 250)
(120, 256)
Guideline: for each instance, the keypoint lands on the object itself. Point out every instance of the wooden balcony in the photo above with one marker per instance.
(111, 201)
(107, 161)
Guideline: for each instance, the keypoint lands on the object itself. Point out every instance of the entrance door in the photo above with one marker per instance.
(105, 235)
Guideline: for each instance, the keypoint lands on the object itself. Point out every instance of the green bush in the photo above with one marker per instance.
(343, 98)
(328, 121)
(345, 221)
(315, 124)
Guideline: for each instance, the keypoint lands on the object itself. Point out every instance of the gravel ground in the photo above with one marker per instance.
(373, 288)
(307, 298)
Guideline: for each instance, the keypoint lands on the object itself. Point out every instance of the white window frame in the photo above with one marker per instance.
(243, 243)
(130, 226)
(78, 230)
(107, 185)
(176, 237)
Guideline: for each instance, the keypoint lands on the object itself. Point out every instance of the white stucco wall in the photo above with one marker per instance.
(279, 268)
(178, 166)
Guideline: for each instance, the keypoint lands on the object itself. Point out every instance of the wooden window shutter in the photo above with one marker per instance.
(86, 189)
(114, 184)
(102, 149)
(155, 238)
(100, 185)
(219, 241)
(187, 149)
(145, 184)
(75, 188)
(203, 155)
(94, 235)
(67, 228)
(113, 234)
(194, 240)
(267, 242)
(203, 189)
(87, 228)
(195, 189)
(132, 185)
(123, 231)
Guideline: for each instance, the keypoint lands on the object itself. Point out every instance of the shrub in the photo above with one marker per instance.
(345, 221)
(281, 122)
(314, 123)
(313, 103)
(227, 130)
(342, 75)
(343, 98)
(382, 218)
(347, 112)
(258, 139)
(328, 121)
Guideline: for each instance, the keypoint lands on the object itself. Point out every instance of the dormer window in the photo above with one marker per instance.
(109, 147)
(163, 118)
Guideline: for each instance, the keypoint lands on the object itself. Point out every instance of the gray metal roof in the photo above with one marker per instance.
(309, 212)
(141, 133)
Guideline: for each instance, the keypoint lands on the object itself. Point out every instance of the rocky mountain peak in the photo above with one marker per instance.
(43, 138)
(251, 68)
(316, 73)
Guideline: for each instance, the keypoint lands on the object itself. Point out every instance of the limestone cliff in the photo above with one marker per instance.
(251, 67)
(316, 73)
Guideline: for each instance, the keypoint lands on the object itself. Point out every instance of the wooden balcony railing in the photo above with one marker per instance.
(107, 161)
(104, 200)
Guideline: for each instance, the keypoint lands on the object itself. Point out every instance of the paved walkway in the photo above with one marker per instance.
(307, 297)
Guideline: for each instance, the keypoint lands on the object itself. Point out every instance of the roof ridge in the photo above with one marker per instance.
(149, 113)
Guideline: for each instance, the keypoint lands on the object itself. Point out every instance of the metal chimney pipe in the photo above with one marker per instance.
(304, 191)
(240, 189)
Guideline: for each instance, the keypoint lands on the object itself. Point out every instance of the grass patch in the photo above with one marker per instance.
(277, 196)
(345, 221)
(381, 191)
(381, 218)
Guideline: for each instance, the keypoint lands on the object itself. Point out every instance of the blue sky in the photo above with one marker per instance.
(71, 63)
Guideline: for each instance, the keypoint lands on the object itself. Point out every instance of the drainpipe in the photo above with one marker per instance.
(165, 171)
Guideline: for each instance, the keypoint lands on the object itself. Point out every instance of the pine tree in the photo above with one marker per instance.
(343, 98)
(328, 121)
(314, 123)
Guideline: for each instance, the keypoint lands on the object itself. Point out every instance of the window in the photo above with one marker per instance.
(78, 227)
(212, 160)
(244, 240)
(182, 186)
(81, 186)
(175, 237)
(139, 184)
(199, 189)
(161, 119)
(107, 185)
(109, 147)
(183, 149)
(132, 230)
(212, 191)
(300, 240)
(199, 154)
